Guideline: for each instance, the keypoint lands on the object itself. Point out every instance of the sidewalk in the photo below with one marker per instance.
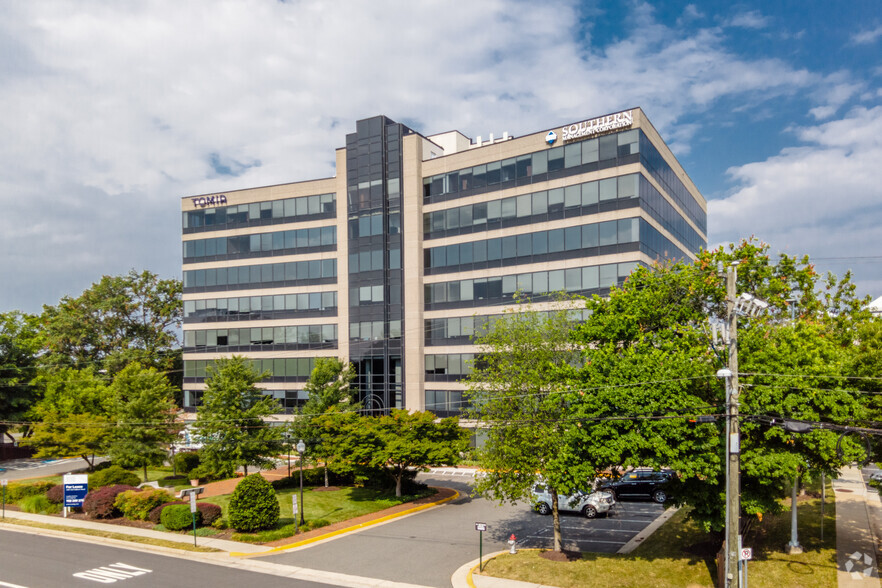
(858, 527)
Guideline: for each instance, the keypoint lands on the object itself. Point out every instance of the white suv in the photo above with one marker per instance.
(589, 504)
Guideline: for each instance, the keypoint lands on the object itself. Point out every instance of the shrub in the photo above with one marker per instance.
(185, 462)
(16, 492)
(155, 514)
(137, 504)
(112, 476)
(38, 504)
(253, 505)
(210, 512)
(173, 480)
(99, 504)
(55, 494)
(177, 516)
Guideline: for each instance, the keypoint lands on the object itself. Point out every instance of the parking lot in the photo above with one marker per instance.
(604, 534)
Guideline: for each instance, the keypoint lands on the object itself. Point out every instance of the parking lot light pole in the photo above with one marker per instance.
(288, 443)
(301, 449)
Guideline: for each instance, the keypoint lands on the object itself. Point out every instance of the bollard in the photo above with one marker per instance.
(513, 541)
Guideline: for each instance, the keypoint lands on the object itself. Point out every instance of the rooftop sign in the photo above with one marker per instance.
(597, 126)
(205, 201)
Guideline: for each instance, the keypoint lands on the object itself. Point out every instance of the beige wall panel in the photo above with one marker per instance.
(412, 266)
(342, 257)
(263, 261)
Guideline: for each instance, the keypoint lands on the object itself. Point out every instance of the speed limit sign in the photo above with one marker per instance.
(746, 553)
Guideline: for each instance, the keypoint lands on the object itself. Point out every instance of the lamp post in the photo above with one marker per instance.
(301, 448)
(288, 443)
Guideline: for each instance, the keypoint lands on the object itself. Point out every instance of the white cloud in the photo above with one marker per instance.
(113, 111)
(821, 198)
(751, 19)
(867, 37)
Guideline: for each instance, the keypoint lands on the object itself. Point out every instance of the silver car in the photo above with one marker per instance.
(588, 504)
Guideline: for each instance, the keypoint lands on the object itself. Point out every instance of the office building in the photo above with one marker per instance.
(395, 261)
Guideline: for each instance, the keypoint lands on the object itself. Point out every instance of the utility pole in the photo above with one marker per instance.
(733, 444)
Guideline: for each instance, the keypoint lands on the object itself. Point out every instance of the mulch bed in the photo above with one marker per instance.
(564, 555)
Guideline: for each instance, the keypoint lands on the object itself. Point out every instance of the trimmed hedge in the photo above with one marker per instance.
(253, 505)
(100, 504)
(173, 480)
(177, 516)
(112, 476)
(137, 505)
(16, 492)
(209, 512)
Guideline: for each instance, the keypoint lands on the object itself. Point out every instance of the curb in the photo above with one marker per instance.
(345, 530)
(635, 541)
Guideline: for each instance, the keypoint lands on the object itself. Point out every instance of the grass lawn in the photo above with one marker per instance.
(321, 508)
(678, 554)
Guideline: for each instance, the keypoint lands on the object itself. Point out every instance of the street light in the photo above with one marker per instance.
(301, 448)
(288, 443)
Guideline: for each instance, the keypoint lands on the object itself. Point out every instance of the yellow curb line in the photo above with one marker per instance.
(348, 529)
(469, 579)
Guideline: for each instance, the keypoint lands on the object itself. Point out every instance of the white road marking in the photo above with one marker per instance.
(112, 573)
(8, 585)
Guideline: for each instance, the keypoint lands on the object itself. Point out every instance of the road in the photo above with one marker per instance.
(20, 469)
(38, 561)
(428, 547)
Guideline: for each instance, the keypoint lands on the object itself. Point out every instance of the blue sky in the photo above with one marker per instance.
(113, 111)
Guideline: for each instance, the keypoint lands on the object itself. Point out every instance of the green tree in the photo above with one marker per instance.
(117, 320)
(254, 505)
(20, 346)
(329, 387)
(414, 440)
(651, 368)
(73, 417)
(518, 389)
(145, 413)
(230, 420)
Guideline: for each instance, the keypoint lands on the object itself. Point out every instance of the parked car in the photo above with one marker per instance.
(590, 504)
(641, 483)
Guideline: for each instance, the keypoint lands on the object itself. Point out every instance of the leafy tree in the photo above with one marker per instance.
(20, 346)
(145, 414)
(329, 387)
(230, 420)
(414, 440)
(73, 415)
(518, 388)
(651, 367)
(117, 320)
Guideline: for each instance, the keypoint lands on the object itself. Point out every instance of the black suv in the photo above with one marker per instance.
(640, 483)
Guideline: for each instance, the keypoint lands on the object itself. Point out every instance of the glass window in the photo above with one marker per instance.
(589, 236)
(573, 279)
(628, 186)
(608, 275)
(590, 194)
(509, 208)
(524, 206)
(590, 279)
(608, 189)
(572, 238)
(573, 196)
(589, 151)
(540, 162)
(555, 200)
(555, 159)
(509, 247)
(508, 170)
(540, 203)
(556, 281)
(572, 155)
(494, 210)
(555, 240)
(479, 213)
(540, 282)
(540, 243)
(525, 245)
(607, 231)
(627, 230)
(494, 249)
(493, 173)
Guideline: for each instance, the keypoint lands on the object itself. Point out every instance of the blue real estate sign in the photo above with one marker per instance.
(76, 486)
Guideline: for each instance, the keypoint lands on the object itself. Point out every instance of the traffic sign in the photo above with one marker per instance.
(746, 553)
(480, 526)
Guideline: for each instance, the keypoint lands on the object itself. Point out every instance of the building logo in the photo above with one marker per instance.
(206, 201)
(551, 137)
(597, 126)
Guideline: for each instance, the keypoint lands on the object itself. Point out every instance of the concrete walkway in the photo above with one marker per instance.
(858, 524)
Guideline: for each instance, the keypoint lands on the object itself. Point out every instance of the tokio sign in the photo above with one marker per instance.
(596, 126)
(206, 201)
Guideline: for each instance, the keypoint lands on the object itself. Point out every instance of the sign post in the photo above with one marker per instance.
(746, 555)
(76, 486)
(480, 528)
(193, 492)
(3, 484)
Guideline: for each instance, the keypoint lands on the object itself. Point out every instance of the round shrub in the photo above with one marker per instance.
(100, 503)
(137, 504)
(253, 505)
(186, 461)
(210, 512)
(38, 504)
(177, 516)
(55, 494)
(155, 514)
(112, 476)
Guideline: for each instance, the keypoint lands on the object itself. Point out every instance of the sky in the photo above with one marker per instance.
(110, 112)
